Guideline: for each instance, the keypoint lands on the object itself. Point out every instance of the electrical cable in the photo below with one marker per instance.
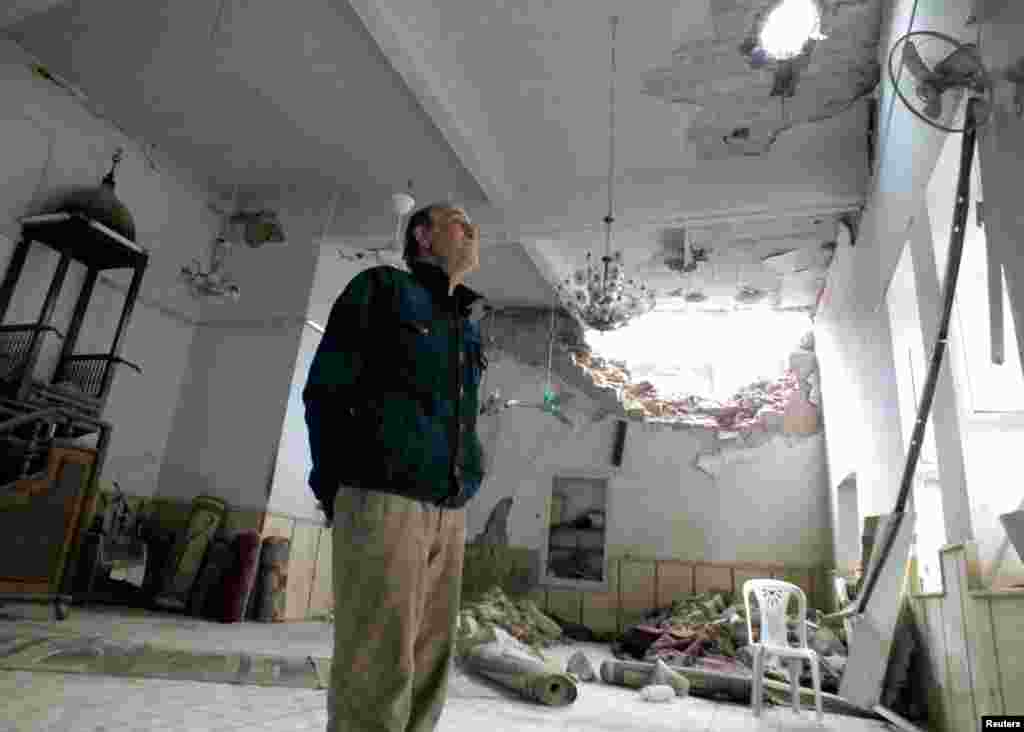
(332, 206)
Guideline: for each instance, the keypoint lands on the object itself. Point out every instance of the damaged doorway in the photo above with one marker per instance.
(576, 538)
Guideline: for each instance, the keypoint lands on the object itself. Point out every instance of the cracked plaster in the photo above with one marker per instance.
(789, 407)
(734, 99)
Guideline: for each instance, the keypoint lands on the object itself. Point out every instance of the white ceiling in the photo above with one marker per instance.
(504, 102)
(258, 95)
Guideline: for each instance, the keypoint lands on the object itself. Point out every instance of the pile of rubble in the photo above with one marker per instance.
(707, 631)
(521, 619)
(788, 403)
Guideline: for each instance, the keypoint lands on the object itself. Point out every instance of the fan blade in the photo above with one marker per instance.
(963, 62)
(913, 63)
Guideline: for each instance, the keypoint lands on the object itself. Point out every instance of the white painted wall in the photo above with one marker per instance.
(228, 426)
(764, 503)
(290, 493)
(48, 141)
(660, 503)
(206, 414)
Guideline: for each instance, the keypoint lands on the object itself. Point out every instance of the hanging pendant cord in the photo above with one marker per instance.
(551, 347)
(332, 207)
(610, 218)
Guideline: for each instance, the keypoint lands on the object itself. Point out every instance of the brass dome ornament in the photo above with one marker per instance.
(101, 203)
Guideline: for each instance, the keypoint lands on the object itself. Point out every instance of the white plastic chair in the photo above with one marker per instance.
(772, 600)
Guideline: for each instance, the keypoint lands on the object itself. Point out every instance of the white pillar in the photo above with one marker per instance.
(945, 414)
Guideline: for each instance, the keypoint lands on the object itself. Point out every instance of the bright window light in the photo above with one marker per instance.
(789, 26)
(710, 355)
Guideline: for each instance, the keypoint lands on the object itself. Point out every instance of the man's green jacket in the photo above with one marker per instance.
(391, 399)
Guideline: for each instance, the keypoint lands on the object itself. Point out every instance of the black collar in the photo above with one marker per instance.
(436, 281)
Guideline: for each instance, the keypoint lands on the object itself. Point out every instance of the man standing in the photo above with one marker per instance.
(391, 407)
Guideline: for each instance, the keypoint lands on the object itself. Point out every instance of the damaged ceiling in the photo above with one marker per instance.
(504, 106)
(742, 103)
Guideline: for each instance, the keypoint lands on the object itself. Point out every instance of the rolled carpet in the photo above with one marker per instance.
(239, 580)
(502, 661)
(186, 557)
(219, 560)
(273, 580)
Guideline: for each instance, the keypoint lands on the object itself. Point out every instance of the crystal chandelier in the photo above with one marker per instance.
(601, 297)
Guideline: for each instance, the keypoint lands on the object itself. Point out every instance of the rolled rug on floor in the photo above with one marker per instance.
(239, 580)
(219, 559)
(502, 661)
(186, 557)
(273, 580)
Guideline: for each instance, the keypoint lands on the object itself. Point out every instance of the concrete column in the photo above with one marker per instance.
(945, 416)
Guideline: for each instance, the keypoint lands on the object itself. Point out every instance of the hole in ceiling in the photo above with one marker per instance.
(789, 27)
(707, 355)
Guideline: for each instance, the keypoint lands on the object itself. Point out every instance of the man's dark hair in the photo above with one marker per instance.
(418, 219)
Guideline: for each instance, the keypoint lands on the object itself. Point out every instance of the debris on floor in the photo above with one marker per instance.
(698, 645)
(662, 675)
(521, 619)
(657, 693)
(581, 667)
(707, 631)
(726, 686)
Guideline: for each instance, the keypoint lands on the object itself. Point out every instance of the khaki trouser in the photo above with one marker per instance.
(397, 583)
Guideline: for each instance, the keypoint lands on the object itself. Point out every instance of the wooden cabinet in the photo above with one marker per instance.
(40, 525)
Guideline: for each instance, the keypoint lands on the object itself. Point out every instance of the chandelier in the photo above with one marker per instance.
(601, 296)
(214, 284)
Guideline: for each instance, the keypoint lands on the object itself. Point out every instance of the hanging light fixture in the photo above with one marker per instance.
(602, 298)
(214, 284)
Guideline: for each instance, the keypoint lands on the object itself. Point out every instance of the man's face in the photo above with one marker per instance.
(455, 238)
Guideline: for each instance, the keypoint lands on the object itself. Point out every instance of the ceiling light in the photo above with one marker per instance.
(213, 284)
(789, 26)
(603, 299)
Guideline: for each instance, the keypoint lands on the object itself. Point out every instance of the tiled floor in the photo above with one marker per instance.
(39, 702)
(44, 702)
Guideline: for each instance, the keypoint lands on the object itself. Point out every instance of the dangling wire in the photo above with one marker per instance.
(332, 206)
(610, 218)
(548, 394)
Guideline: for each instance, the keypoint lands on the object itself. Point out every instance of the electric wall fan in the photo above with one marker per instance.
(931, 73)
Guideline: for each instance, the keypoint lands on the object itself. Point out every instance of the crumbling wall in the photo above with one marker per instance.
(789, 404)
(689, 473)
(523, 333)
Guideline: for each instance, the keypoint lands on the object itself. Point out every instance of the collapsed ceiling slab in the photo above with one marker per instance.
(789, 405)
